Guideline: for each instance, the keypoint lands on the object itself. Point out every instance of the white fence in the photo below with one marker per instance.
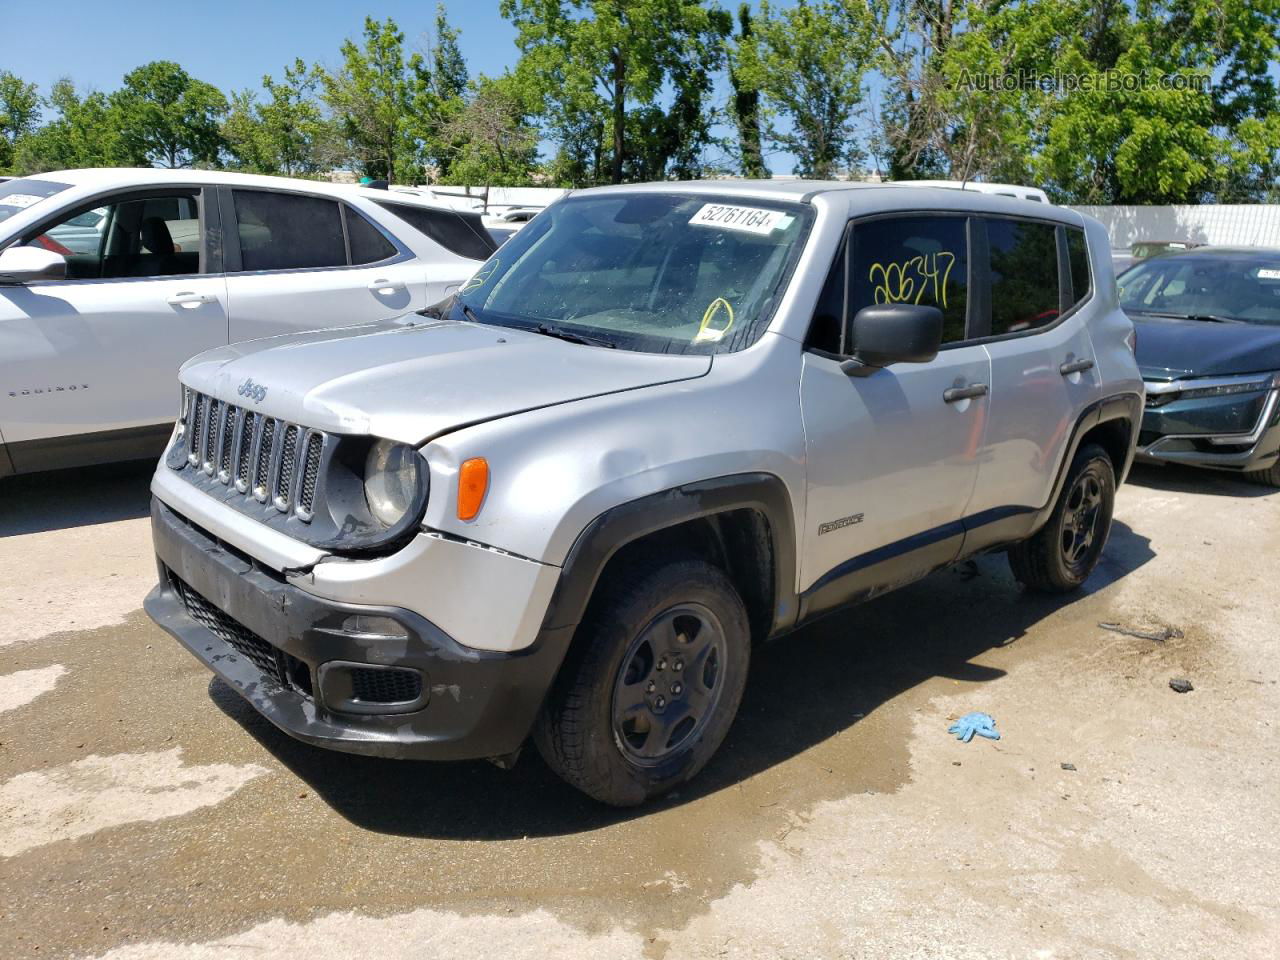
(1239, 224)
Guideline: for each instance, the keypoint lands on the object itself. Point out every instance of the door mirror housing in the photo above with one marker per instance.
(893, 333)
(20, 265)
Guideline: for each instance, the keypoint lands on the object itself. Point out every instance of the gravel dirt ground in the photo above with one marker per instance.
(147, 814)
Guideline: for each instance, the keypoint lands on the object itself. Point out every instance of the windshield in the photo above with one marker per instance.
(643, 271)
(1244, 288)
(18, 195)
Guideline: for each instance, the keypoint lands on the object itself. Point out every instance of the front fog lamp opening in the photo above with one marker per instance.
(390, 480)
(374, 627)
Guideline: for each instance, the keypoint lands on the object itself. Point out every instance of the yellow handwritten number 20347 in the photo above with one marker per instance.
(910, 281)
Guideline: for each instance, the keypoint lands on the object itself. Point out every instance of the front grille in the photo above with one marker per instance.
(385, 686)
(195, 428)
(265, 450)
(210, 440)
(288, 455)
(273, 460)
(314, 444)
(225, 441)
(245, 642)
(245, 456)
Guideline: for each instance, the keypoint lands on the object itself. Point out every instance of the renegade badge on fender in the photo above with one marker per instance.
(662, 423)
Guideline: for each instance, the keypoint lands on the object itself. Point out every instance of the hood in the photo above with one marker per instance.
(1168, 349)
(412, 379)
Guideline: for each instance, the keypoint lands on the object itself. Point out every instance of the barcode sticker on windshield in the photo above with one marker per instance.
(19, 200)
(1265, 274)
(745, 219)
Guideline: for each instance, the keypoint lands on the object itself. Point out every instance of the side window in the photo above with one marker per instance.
(136, 237)
(283, 231)
(1024, 275)
(368, 245)
(922, 260)
(1078, 255)
(459, 233)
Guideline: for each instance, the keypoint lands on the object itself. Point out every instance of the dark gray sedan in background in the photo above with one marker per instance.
(1208, 327)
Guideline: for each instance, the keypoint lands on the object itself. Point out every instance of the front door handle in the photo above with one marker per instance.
(190, 300)
(956, 394)
(386, 287)
(1075, 366)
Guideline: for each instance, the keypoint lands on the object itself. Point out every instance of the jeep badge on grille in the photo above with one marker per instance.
(252, 391)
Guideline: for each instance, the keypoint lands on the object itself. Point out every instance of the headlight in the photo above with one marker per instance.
(390, 480)
(1227, 389)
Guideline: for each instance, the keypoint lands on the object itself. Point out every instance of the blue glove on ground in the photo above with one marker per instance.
(980, 723)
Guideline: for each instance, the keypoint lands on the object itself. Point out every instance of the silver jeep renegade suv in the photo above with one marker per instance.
(662, 423)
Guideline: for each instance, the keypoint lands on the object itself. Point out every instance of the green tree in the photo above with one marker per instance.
(449, 77)
(86, 131)
(491, 141)
(169, 117)
(1147, 128)
(745, 105)
(286, 133)
(594, 61)
(19, 114)
(440, 89)
(372, 96)
(809, 62)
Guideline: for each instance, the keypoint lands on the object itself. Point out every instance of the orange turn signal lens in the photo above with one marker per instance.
(473, 484)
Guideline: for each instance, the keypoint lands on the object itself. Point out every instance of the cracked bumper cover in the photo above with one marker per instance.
(479, 703)
(1236, 433)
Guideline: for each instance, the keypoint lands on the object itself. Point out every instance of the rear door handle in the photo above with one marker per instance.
(386, 286)
(1075, 366)
(190, 300)
(956, 394)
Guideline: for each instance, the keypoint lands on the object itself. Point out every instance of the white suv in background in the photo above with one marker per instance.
(110, 279)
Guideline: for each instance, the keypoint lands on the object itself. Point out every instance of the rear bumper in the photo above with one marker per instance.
(1224, 433)
(291, 656)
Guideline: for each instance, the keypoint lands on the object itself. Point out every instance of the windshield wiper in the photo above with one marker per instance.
(1206, 317)
(567, 335)
(471, 314)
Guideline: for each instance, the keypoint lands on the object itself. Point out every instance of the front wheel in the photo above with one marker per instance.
(651, 685)
(1268, 476)
(1060, 557)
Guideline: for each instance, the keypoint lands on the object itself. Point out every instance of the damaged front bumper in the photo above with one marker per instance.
(362, 679)
(1185, 422)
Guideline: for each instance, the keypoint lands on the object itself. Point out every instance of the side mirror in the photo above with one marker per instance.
(31, 265)
(893, 333)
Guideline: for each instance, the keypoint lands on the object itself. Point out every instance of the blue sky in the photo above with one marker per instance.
(229, 43)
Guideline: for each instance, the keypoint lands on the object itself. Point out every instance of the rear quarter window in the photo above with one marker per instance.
(460, 233)
(1078, 255)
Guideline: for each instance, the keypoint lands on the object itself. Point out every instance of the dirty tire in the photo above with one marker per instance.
(1058, 559)
(644, 606)
(1270, 477)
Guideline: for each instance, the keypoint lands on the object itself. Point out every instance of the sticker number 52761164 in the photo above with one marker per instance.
(744, 219)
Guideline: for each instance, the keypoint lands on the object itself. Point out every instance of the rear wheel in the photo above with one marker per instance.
(1060, 557)
(651, 685)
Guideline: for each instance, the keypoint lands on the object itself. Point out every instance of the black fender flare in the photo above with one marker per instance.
(615, 528)
(1120, 406)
